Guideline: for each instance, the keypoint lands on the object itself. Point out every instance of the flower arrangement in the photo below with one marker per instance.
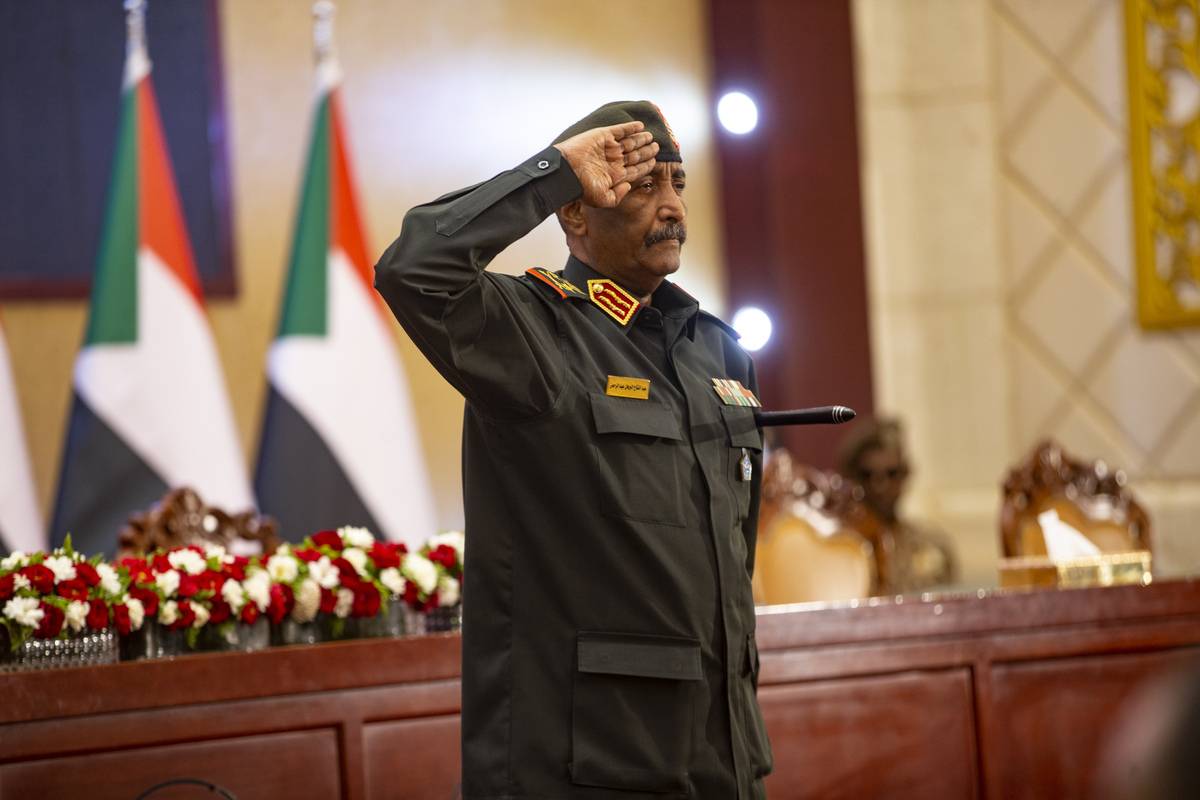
(446, 551)
(50, 596)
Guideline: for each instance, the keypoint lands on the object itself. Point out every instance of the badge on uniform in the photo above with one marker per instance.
(636, 388)
(747, 466)
(732, 393)
(613, 300)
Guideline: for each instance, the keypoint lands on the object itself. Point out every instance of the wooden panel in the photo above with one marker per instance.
(293, 765)
(1050, 720)
(394, 751)
(903, 736)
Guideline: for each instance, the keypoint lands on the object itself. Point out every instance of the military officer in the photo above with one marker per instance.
(611, 475)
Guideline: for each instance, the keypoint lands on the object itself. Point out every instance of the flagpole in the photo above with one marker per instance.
(137, 57)
(329, 73)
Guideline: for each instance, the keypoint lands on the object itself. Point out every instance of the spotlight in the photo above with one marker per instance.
(754, 326)
(737, 112)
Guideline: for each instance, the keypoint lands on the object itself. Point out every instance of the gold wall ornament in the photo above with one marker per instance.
(1163, 59)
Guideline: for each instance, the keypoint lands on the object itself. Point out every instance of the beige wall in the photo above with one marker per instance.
(437, 96)
(996, 179)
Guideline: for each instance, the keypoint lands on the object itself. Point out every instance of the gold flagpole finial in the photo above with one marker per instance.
(137, 59)
(323, 48)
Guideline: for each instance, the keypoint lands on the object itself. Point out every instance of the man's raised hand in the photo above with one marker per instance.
(609, 160)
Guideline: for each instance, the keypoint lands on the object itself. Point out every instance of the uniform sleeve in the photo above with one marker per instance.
(488, 335)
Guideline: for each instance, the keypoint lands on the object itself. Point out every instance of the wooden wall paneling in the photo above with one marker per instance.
(397, 751)
(860, 738)
(298, 765)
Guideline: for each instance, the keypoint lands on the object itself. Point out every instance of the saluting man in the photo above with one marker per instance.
(611, 470)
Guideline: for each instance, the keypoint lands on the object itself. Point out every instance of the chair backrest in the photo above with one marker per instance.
(1090, 497)
(182, 518)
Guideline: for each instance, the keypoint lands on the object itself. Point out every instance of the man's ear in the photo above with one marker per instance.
(571, 219)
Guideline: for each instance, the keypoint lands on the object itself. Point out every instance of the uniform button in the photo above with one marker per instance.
(543, 164)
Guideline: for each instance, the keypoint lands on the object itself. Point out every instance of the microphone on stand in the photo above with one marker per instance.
(821, 415)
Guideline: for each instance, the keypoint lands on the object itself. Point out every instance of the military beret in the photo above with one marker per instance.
(629, 111)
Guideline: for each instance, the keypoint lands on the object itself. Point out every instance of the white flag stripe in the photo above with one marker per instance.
(349, 386)
(165, 394)
(20, 519)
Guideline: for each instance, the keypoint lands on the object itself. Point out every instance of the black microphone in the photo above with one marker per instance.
(821, 415)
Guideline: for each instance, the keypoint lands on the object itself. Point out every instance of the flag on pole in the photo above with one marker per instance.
(150, 410)
(339, 438)
(20, 519)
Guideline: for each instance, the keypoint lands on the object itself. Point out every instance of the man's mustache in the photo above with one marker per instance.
(676, 230)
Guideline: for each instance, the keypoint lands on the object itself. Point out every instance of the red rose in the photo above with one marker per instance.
(187, 615)
(87, 573)
(306, 554)
(249, 613)
(219, 612)
(328, 601)
(346, 570)
(237, 568)
(52, 622)
(384, 555)
(148, 597)
(330, 539)
(74, 589)
(6, 587)
(138, 570)
(40, 578)
(160, 562)
(366, 601)
(282, 600)
(121, 617)
(97, 616)
(445, 555)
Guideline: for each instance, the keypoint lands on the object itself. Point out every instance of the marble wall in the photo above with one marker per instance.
(997, 205)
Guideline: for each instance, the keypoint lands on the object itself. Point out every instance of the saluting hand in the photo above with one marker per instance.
(609, 160)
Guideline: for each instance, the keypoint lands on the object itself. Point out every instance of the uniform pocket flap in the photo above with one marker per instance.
(743, 430)
(626, 415)
(640, 656)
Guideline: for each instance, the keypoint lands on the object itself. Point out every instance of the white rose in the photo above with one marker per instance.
(14, 560)
(25, 611)
(283, 568)
(233, 594)
(391, 578)
(345, 601)
(357, 558)
(258, 588)
(168, 612)
(356, 537)
(167, 582)
(215, 551)
(21, 582)
(137, 613)
(324, 573)
(76, 615)
(62, 567)
(110, 582)
(201, 615)
(448, 591)
(308, 601)
(188, 561)
(421, 571)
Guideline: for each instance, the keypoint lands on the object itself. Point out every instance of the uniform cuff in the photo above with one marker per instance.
(555, 184)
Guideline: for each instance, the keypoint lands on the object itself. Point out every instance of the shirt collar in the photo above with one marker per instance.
(668, 298)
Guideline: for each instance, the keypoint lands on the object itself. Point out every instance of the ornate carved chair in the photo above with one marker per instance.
(183, 518)
(808, 546)
(1090, 497)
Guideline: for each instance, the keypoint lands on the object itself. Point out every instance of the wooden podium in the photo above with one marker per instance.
(998, 695)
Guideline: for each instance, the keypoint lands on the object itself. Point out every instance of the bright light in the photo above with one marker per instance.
(754, 326)
(737, 112)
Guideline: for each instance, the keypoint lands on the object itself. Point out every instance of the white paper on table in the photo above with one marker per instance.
(1063, 541)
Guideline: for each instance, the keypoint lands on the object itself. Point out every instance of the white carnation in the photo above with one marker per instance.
(283, 568)
(110, 582)
(62, 567)
(167, 582)
(448, 591)
(201, 615)
(14, 560)
(258, 588)
(215, 551)
(308, 601)
(76, 616)
(188, 561)
(345, 601)
(356, 537)
(168, 612)
(25, 611)
(421, 571)
(324, 573)
(20, 581)
(357, 558)
(392, 579)
(233, 594)
(137, 613)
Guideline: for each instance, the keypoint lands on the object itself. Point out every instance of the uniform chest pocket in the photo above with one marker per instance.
(744, 462)
(639, 454)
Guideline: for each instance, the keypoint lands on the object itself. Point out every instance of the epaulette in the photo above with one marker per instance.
(562, 287)
(721, 323)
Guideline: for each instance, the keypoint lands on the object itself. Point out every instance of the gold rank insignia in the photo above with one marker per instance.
(732, 393)
(556, 282)
(612, 299)
(636, 388)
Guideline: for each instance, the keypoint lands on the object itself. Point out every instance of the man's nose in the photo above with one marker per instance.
(671, 207)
